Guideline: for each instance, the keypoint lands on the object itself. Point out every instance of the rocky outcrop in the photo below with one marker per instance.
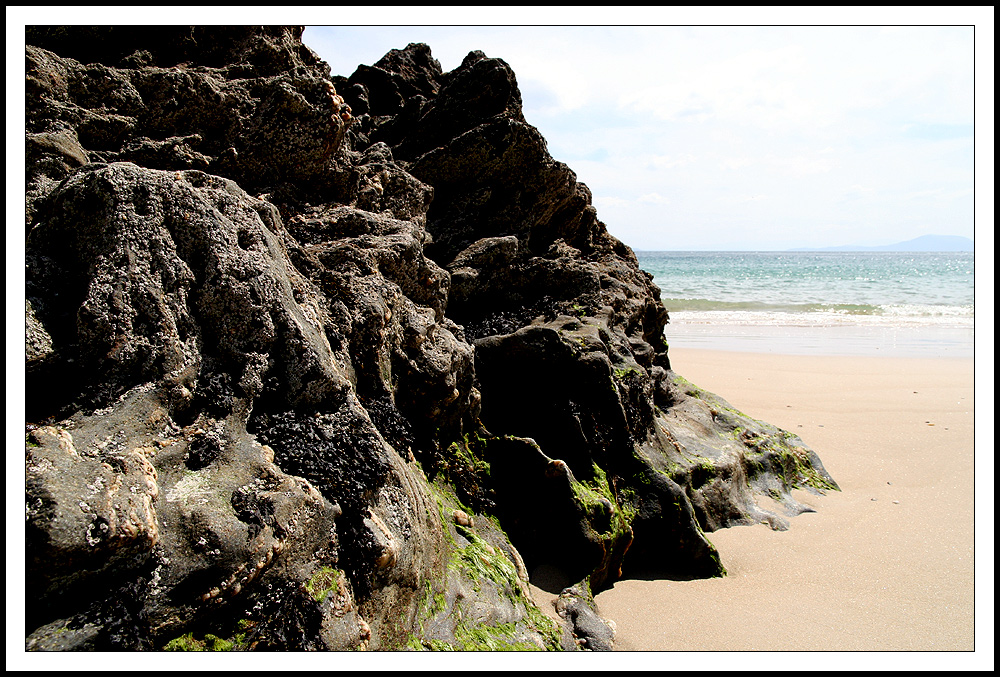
(324, 362)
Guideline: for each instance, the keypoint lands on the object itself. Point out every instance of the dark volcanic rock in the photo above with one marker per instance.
(266, 50)
(577, 606)
(324, 362)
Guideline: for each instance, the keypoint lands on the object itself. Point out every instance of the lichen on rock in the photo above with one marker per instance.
(320, 362)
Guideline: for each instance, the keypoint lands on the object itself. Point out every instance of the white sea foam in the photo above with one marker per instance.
(891, 316)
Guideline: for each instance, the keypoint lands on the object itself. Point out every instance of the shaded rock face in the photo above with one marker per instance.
(324, 362)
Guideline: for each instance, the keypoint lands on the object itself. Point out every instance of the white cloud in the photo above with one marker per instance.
(654, 198)
(809, 116)
(938, 195)
(735, 163)
(803, 164)
(671, 161)
(607, 201)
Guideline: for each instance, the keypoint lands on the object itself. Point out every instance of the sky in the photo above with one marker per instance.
(788, 127)
(738, 137)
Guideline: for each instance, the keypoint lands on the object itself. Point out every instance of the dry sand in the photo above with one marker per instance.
(884, 565)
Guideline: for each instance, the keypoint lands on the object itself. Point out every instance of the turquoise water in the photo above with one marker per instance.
(834, 302)
(824, 287)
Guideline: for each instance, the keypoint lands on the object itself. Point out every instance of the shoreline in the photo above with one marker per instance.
(886, 564)
(820, 340)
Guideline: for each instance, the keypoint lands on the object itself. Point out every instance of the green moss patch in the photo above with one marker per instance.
(474, 559)
(324, 583)
(208, 642)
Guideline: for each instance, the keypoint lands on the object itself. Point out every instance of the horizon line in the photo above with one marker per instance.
(819, 250)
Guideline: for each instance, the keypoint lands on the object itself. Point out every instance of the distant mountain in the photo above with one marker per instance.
(924, 243)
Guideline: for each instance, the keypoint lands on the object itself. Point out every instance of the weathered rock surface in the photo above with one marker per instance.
(324, 362)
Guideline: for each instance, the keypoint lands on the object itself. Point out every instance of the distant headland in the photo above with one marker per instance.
(924, 243)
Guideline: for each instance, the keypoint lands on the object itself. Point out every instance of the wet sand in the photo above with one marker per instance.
(884, 565)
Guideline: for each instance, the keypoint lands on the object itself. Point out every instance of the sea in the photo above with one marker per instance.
(906, 304)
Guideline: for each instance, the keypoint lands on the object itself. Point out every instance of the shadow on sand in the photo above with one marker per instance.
(554, 580)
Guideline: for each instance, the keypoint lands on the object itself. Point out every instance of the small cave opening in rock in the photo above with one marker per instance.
(534, 385)
(535, 388)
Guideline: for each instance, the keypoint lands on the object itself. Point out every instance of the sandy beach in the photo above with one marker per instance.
(887, 564)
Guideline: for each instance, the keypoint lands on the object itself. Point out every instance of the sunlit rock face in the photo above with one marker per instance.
(333, 363)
